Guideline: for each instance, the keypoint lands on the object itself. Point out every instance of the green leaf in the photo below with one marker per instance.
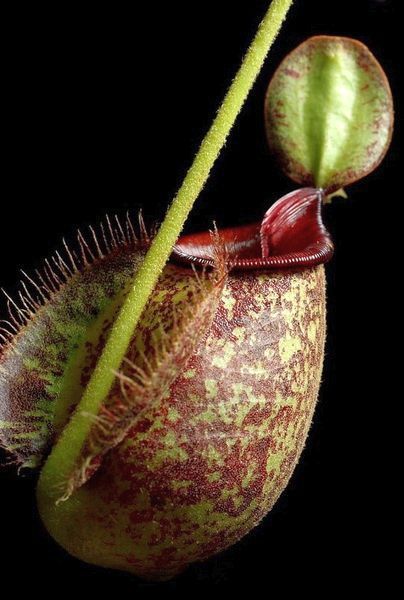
(329, 112)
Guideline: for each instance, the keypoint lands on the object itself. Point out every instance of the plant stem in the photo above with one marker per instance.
(65, 452)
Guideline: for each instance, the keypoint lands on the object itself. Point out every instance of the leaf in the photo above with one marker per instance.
(329, 113)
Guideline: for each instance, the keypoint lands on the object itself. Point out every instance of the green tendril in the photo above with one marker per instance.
(66, 450)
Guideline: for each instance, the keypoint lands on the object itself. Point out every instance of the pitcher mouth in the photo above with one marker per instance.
(291, 235)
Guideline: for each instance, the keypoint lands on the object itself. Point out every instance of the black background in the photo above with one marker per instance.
(104, 110)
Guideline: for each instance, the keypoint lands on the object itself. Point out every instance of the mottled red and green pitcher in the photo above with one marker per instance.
(210, 410)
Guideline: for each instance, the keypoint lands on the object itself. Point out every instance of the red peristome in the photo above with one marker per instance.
(291, 234)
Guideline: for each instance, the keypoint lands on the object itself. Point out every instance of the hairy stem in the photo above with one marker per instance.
(65, 452)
